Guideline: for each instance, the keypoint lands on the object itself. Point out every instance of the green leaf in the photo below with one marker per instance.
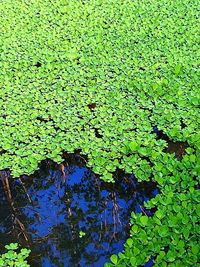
(144, 220)
(133, 261)
(170, 256)
(12, 246)
(129, 242)
(177, 69)
(114, 259)
(159, 214)
(133, 145)
(195, 249)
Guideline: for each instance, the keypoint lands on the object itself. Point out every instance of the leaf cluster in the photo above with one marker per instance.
(13, 257)
(97, 75)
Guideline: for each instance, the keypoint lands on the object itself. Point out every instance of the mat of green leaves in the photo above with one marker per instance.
(97, 75)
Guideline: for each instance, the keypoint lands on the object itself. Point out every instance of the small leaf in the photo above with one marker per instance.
(144, 220)
(195, 249)
(177, 69)
(133, 261)
(129, 242)
(114, 259)
(159, 214)
(12, 246)
(133, 145)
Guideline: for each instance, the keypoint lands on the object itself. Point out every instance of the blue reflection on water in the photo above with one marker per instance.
(62, 206)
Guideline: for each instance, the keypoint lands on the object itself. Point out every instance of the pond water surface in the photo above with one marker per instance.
(68, 216)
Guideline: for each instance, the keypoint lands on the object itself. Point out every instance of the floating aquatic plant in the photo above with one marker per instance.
(13, 257)
(98, 75)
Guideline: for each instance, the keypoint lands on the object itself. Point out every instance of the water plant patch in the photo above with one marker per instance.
(98, 76)
(14, 257)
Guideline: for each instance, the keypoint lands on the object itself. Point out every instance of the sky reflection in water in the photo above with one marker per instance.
(62, 206)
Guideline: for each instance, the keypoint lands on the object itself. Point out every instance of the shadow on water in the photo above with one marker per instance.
(68, 216)
(178, 148)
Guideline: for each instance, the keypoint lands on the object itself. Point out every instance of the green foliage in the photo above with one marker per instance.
(13, 258)
(97, 75)
(134, 60)
(171, 236)
(82, 234)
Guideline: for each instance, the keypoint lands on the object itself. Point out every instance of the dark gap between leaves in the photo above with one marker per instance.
(91, 106)
(38, 64)
(177, 147)
(97, 134)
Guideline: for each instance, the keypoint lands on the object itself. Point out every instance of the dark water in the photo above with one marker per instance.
(59, 203)
(177, 148)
